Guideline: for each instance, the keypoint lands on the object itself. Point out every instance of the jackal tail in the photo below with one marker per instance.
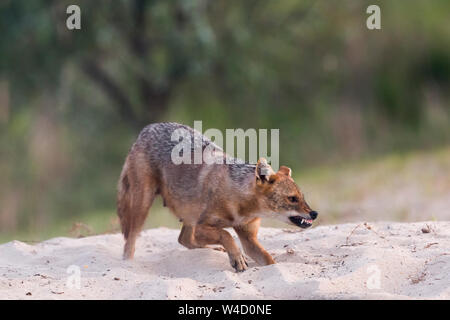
(124, 198)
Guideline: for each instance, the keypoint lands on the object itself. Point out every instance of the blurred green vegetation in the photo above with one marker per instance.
(72, 102)
(406, 186)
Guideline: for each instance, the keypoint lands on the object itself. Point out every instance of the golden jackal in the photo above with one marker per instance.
(206, 197)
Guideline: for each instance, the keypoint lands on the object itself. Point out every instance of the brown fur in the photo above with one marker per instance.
(207, 200)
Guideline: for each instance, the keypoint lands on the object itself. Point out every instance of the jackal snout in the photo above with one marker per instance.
(313, 215)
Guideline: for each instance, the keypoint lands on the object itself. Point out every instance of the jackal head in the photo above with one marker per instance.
(281, 196)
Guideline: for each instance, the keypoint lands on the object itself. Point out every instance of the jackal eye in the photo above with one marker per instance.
(293, 199)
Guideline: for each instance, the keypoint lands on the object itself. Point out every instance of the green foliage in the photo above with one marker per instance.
(336, 90)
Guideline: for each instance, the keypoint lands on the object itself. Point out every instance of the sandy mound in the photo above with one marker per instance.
(356, 261)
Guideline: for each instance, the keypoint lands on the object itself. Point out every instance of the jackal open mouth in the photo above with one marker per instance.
(301, 222)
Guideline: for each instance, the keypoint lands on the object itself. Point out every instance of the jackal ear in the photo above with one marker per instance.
(285, 170)
(263, 170)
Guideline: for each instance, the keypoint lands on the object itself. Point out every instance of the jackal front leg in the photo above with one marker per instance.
(247, 235)
(187, 239)
(205, 235)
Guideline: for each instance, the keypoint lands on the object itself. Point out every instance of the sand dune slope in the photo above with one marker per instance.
(350, 261)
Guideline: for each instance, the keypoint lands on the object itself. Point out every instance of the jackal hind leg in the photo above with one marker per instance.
(141, 210)
(143, 193)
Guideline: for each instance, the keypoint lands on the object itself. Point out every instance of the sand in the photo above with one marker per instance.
(380, 260)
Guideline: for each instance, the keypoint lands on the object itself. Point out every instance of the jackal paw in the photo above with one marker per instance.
(239, 263)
